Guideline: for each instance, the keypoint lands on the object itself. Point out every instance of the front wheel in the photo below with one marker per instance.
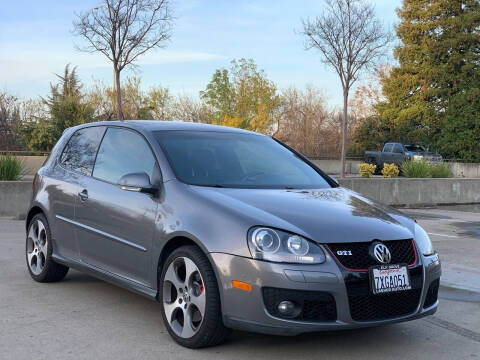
(190, 299)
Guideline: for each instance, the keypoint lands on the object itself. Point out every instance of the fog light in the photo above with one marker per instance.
(286, 308)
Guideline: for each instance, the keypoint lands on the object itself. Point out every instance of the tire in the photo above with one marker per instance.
(38, 252)
(378, 170)
(188, 267)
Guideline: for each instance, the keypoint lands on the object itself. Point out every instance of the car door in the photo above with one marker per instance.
(74, 164)
(387, 154)
(397, 154)
(117, 226)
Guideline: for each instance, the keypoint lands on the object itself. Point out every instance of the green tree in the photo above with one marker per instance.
(438, 61)
(65, 108)
(370, 134)
(460, 134)
(241, 97)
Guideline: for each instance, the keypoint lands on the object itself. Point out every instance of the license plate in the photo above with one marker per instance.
(389, 278)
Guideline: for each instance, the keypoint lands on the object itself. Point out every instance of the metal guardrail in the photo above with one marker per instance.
(329, 157)
(24, 153)
(361, 158)
(312, 157)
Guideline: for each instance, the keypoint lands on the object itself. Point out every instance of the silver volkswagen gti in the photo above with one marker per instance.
(227, 229)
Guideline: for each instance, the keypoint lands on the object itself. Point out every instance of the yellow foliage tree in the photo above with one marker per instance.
(242, 97)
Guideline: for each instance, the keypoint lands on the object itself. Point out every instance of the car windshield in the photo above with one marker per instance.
(415, 147)
(222, 159)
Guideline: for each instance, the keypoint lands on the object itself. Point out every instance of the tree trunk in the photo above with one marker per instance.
(114, 91)
(344, 132)
(119, 94)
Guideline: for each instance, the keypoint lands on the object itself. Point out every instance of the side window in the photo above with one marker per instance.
(388, 148)
(79, 153)
(397, 149)
(123, 152)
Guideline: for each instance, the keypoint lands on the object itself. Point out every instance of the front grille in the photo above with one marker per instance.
(364, 306)
(432, 294)
(314, 306)
(402, 251)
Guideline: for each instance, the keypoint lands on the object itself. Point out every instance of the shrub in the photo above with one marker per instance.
(440, 170)
(367, 170)
(390, 170)
(11, 168)
(416, 169)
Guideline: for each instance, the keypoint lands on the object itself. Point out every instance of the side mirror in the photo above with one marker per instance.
(138, 182)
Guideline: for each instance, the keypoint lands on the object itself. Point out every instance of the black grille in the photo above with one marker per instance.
(364, 306)
(314, 306)
(432, 294)
(402, 251)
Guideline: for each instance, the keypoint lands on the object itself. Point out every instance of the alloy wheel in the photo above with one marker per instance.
(37, 249)
(184, 297)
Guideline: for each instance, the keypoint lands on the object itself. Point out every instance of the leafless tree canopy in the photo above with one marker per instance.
(350, 39)
(306, 124)
(123, 30)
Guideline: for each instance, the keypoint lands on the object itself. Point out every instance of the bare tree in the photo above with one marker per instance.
(350, 39)
(123, 30)
(305, 123)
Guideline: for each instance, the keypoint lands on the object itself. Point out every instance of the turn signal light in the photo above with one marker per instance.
(242, 285)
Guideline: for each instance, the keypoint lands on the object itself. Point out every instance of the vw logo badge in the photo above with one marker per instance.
(380, 253)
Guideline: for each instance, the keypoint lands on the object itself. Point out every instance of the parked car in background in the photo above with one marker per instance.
(396, 153)
(227, 229)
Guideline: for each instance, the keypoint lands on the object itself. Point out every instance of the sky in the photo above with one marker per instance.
(36, 42)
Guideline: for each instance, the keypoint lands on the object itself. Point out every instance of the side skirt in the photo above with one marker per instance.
(107, 276)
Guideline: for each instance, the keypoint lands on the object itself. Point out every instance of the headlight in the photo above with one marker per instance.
(423, 241)
(279, 246)
(417, 157)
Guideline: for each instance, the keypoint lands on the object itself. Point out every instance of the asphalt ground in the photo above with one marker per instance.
(85, 318)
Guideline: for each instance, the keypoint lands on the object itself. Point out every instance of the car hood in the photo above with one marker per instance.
(323, 215)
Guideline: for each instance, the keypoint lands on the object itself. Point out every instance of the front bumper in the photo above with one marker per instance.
(246, 310)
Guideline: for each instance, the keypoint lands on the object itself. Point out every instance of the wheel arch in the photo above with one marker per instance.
(176, 242)
(34, 210)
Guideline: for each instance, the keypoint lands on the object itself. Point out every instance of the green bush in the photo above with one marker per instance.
(416, 169)
(11, 168)
(440, 170)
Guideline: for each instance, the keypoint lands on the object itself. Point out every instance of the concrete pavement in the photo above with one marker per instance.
(456, 236)
(85, 318)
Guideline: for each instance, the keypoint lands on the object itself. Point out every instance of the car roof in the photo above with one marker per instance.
(156, 125)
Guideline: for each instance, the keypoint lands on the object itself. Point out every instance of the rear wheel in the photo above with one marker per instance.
(38, 251)
(190, 299)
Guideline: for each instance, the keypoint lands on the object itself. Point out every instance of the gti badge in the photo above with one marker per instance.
(380, 253)
(344, 252)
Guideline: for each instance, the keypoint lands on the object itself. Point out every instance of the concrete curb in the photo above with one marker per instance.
(449, 292)
(460, 282)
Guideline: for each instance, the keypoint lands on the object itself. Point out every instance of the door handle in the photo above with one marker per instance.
(83, 195)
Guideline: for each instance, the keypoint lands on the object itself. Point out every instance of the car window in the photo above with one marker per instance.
(415, 147)
(397, 148)
(388, 148)
(79, 153)
(123, 152)
(224, 159)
